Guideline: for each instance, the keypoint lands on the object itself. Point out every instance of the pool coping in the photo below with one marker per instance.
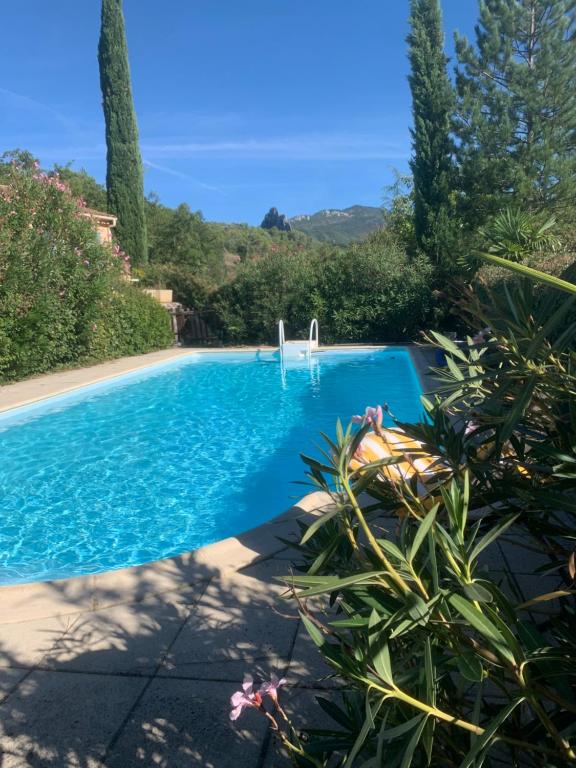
(40, 600)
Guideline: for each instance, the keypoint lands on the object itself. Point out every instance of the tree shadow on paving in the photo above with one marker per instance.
(102, 680)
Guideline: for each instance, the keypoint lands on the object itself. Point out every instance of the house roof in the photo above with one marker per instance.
(102, 217)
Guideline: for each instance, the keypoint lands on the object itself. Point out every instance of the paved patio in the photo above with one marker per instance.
(148, 681)
(143, 677)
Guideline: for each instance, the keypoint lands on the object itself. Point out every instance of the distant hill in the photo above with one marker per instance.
(340, 226)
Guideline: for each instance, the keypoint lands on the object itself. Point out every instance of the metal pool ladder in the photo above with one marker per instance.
(296, 349)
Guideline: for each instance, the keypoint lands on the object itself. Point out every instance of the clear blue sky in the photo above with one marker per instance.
(300, 104)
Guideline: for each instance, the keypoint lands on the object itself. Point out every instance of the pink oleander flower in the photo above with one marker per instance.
(247, 697)
(271, 688)
(471, 427)
(94, 326)
(86, 262)
(372, 416)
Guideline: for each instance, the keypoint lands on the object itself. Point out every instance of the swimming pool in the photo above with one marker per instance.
(156, 463)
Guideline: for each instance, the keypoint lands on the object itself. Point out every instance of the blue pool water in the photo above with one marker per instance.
(188, 453)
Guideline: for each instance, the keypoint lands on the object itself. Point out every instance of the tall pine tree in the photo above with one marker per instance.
(432, 106)
(124, 175)
(516, 110)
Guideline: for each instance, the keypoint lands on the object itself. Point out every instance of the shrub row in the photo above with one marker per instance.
(63, 300)
(371, 292)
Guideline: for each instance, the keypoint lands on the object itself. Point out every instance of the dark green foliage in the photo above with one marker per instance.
(191, 291)
(124, 175)
(128, 322)
(432, 106)
(372, 293)
(516, 112)
(57, 285)
(278, 285)
(368, 293)
(181, 237)
(448, 655)
(340, 227)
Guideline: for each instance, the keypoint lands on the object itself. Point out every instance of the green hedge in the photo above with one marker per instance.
(371, 292)
(59, 286)
(128, 322)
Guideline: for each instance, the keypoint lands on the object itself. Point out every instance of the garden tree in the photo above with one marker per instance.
(83, 186)
(516, 108)
(181, 237)
(432, 105)
(124, 174)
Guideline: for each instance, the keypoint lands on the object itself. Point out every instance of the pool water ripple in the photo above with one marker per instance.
(184, 455)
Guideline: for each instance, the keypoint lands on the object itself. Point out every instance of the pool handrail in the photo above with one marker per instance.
(313, 325)
(281, 339)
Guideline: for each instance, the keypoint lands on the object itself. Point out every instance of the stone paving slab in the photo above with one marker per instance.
(64, 720)
(182, 723)
(126, 639)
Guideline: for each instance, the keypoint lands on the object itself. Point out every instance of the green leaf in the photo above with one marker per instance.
(483, 625)
(417, 608)
(449, 346)
(332, 583)
(391, 549)
(365, 730)
(533, 274)
(317, 636)
(334, 711)
(492, 535)
(412, 744)
(475, 591)
(486, 739)
(380, 650)
(470, 667)
(422, 532)
(317, 465)
(429, 673)
(317, 524)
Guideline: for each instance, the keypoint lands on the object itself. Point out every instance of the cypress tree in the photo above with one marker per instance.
(124, 174)
(432, 106)
(516, 108)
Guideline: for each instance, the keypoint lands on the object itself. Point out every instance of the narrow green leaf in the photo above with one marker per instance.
(334, 584)
(422, 532)
(483, 625)
(533, 274)
(313, 631)
(412, 744)
(470, 667)
(364, 731)
(317, 524)
(449, 346)
(487, 738)
(475, 591)
(381, 661)
(429, 674)
(492, 535)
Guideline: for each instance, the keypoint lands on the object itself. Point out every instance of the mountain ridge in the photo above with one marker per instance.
(339, 225)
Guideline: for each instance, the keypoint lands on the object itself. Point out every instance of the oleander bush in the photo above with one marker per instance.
(57, 284)
(448, 656)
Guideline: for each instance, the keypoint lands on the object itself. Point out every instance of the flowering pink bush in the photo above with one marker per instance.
(57, 280)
